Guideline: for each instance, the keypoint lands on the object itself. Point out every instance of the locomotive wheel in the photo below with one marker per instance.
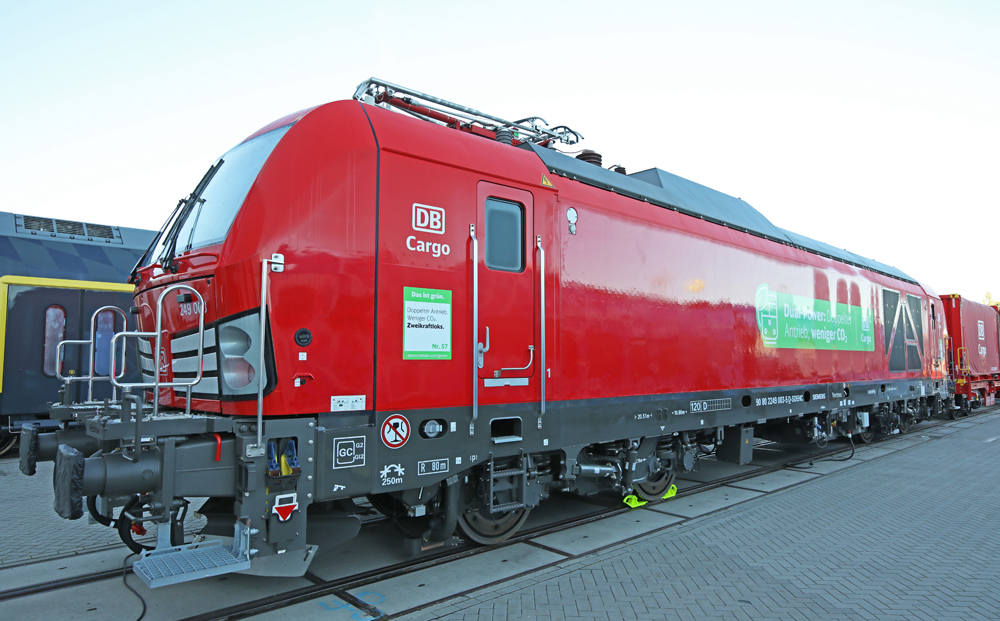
(491, 529)
(7, 442)
(652, 490)
(866, 437)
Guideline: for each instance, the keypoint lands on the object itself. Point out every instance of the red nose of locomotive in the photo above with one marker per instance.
(283, 194)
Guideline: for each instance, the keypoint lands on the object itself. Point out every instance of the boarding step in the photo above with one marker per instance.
(510, 506)
(194, 561)
(507, 480)
(506, 439)
(509, 472)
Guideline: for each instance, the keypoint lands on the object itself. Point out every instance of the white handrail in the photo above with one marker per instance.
(156, 384)
(90, 377)
(541, 349)
(475, 329)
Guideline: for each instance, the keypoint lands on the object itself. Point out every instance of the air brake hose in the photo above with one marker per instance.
(125, 527)
(101, 519)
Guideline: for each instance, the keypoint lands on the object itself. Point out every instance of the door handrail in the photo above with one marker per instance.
(541, 349)
(531, 359)
(475, 329)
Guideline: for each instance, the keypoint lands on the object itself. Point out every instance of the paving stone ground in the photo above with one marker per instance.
(911, 535)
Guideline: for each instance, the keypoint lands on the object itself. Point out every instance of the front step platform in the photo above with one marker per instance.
(188, 562)
(193, 561)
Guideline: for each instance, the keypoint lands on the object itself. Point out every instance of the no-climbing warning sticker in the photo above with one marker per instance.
(395, 431)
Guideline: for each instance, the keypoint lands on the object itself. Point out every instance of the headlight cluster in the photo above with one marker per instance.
(239, 351)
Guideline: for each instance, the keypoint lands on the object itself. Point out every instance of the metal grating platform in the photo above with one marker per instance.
(189, 562)
(506, 439)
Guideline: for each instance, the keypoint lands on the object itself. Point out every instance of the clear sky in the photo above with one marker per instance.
(873, 126)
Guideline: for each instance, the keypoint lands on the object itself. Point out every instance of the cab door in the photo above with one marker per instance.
(506, 270)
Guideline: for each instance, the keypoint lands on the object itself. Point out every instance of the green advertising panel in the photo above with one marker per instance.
(426, 324)
(789, 321)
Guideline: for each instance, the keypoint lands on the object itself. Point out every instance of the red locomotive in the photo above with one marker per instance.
(974, 351)
(403, 298)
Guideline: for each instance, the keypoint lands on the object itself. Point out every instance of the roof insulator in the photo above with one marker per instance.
(505, 136)
(591, 157)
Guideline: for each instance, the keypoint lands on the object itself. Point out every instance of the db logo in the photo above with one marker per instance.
(428, 219)
(982, 328)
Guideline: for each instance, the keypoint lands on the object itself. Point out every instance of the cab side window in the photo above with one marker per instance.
(504, 235)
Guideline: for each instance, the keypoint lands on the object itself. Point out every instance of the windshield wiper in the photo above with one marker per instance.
(133, 275)
(167, 258)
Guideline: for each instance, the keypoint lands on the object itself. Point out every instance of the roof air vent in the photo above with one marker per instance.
(100, 230)
(591, 157)
(79, 232)
(68, 227)
(34, 223)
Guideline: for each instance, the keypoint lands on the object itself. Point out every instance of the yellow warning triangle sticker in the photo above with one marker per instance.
(546, 182)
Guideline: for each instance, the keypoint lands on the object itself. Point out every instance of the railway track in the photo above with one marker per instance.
(339, 587)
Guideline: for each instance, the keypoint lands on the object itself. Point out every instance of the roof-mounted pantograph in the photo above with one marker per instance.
(443, 112)
(654, 186)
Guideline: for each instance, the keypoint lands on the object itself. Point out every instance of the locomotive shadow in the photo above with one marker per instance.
(380, 545)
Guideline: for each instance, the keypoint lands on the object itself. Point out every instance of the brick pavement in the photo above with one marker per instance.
(912, 535)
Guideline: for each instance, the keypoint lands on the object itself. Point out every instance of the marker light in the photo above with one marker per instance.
(431, 429)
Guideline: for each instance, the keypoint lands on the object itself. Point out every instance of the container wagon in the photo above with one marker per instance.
(974, 351)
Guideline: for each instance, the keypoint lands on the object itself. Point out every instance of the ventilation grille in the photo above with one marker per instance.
(34, 223)
(100, 230)
(70, 228)
(67, 229)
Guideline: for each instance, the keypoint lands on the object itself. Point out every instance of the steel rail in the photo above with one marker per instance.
(64, 583)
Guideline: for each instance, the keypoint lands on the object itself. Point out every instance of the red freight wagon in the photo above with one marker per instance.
(974, 351)
(448, 316)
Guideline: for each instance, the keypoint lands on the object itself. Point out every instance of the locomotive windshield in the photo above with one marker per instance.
(204, 218)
